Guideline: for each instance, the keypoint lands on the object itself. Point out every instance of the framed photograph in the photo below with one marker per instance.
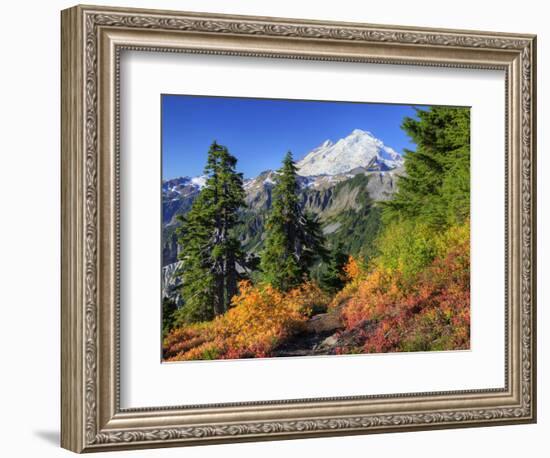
(279, 228)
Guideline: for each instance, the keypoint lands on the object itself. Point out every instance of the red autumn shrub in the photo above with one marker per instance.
(429, 312)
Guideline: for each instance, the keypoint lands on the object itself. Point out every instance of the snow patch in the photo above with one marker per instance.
(199, 181)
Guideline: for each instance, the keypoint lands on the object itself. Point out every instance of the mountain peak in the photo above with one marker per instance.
(359, 149)
(360, 132)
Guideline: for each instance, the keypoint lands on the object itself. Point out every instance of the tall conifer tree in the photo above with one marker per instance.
(210, 251)
(293, 238)
(436, 186)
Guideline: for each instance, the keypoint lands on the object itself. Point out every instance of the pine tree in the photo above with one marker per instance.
(210, 251)
(293, 238)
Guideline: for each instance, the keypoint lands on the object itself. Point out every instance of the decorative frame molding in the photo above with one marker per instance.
(92, 39)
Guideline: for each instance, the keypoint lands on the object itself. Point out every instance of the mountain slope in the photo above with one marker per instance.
(178, 195)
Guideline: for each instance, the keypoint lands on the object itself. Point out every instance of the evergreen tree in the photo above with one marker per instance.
(436, 187)
(332, 280)
(210, 251)
(434, 193)
(168, 309)
(293, 238)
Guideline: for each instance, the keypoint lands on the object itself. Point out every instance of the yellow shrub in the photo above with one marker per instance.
(260, 318)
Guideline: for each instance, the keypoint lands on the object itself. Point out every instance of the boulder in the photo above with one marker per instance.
(324, 322)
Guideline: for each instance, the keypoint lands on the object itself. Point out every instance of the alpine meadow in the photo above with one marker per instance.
(275, 247)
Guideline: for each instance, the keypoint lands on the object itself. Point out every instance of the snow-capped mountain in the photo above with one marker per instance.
(178, 195)
(360, 149)
(331, 180)
(176, 188)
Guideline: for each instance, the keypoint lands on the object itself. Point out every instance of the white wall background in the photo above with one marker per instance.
(29, 240)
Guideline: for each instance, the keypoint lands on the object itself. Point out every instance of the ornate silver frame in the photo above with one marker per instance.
(92, 39)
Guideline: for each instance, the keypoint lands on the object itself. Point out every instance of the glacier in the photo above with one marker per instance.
(360, 149)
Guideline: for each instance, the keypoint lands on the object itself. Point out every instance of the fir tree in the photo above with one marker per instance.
(210, 251)
(293, 238)
(333, 279)
(168, 309)
(433, 194)
(436, 186)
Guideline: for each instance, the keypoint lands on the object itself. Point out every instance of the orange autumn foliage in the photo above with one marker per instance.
(383, 309)
(260, 318)
(352, 270)
(353, 273)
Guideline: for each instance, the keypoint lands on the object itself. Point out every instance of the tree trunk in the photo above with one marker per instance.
(219, 307)
(230, 278)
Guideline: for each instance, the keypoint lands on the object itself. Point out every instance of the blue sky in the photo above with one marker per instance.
(260, 131)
